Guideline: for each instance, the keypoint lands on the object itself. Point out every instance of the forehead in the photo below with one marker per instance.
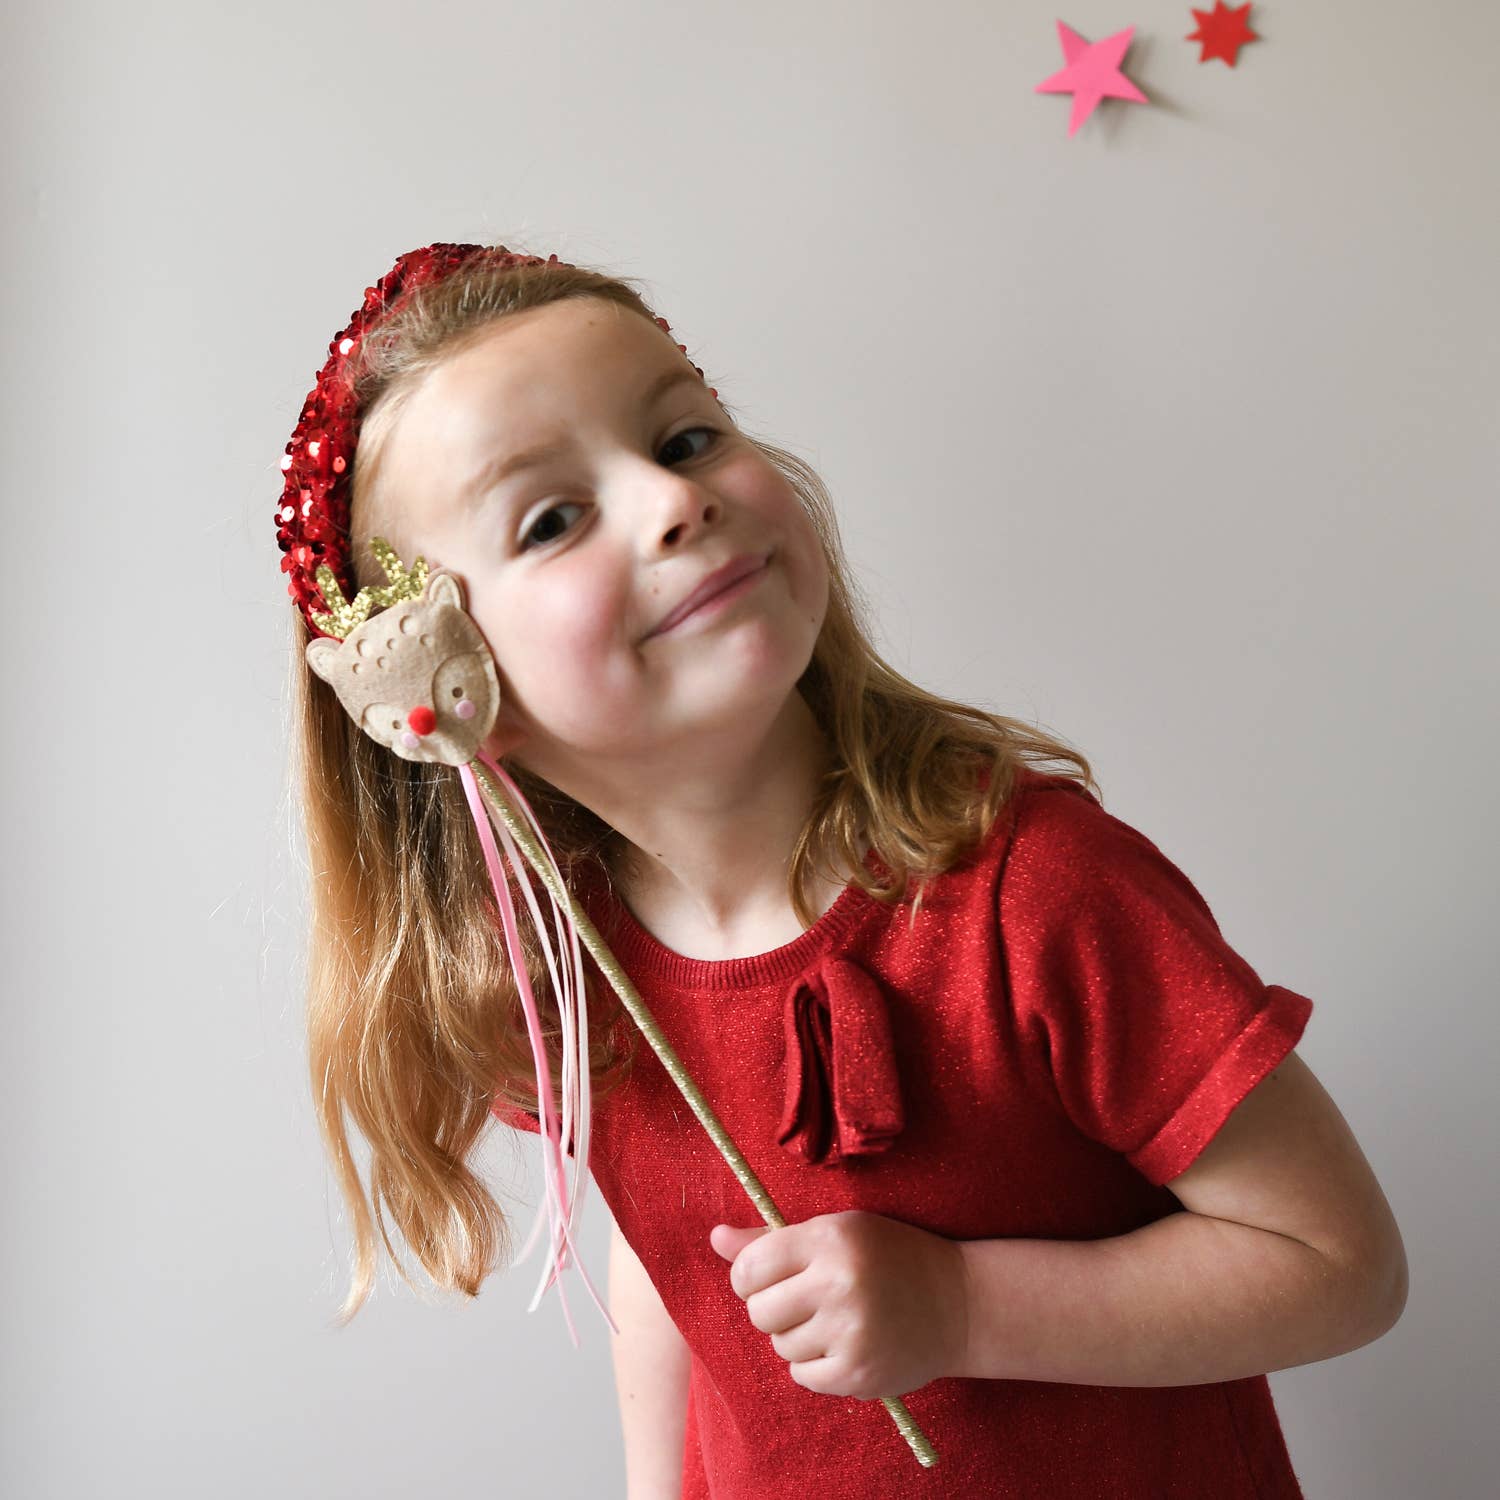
(534, 372)
(533, 377)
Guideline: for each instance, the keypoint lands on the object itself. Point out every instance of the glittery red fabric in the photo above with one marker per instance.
(1069, 1030)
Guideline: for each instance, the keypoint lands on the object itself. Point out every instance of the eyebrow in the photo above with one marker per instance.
(497, 470)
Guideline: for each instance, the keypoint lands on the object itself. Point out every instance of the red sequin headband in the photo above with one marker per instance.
(312, 516)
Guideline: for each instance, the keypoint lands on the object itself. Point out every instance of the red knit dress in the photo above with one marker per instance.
(1060, 1033)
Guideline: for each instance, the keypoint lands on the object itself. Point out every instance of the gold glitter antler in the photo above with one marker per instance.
(343, 617)
(403, 585)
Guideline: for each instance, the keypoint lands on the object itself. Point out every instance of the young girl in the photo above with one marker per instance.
(965, 1025)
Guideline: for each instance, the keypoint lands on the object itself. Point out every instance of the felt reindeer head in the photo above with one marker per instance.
(417, 677)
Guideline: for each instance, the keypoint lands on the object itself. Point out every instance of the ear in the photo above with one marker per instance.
(322, 657)
(443, 589)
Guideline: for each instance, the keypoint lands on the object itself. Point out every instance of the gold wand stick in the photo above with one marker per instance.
(521, 832)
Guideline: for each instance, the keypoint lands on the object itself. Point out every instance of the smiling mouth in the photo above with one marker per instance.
(710, 600)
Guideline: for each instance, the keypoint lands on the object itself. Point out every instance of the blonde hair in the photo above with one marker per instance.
(415, 1024)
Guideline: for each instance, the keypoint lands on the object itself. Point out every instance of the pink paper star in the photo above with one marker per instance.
(1093, 73)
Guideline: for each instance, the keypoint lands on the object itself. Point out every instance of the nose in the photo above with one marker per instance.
(422, 719)
(686, 509)
(670, 504)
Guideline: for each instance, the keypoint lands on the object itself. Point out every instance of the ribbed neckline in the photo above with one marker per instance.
(639, 952)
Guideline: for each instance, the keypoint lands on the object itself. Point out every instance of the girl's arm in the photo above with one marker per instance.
(651, 1378)
(1288, 1254)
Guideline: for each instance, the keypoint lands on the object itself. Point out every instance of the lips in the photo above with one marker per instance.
(732, 571)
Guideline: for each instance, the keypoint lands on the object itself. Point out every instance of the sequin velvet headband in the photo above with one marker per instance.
(413, 670)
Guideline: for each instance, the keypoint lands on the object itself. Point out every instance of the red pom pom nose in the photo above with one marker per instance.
(422, 719)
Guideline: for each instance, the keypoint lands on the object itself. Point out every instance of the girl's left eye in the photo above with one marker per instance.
(688, 432)
(530, 532)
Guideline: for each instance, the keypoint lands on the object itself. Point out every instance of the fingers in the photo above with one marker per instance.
(781, 1307)
(800, 1344)
(832, 1376)
(772, 1256)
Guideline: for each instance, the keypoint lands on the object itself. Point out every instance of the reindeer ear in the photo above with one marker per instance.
(322, 655)
(444, 589)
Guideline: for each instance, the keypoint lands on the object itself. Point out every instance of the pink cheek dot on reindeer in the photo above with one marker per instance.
(409, 739)
(464, 708)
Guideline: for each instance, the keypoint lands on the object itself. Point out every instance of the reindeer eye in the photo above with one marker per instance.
(458, 692)
(395, 723)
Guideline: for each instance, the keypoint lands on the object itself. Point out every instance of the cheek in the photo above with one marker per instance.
(556, 641)
(804, 562)
(793, 527)
(578, 618)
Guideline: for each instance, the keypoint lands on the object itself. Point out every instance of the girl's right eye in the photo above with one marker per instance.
(541, 516)
(525, 538)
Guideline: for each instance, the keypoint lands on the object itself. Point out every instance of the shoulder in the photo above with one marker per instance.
(1068, 852)
(1057, 825)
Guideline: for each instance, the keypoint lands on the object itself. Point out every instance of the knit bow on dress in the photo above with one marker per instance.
(843, 1093)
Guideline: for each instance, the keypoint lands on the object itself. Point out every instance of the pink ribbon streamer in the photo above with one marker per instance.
(561, 1209)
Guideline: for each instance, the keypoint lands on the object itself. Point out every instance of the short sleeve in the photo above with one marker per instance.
(520, 1119)
(1153, 1027)
(511, 1114)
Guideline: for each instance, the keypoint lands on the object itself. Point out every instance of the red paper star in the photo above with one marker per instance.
(1223, 31)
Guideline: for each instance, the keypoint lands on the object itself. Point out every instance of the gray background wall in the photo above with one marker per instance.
(1179, 436)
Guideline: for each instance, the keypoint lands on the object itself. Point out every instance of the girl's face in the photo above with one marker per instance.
(568, 563)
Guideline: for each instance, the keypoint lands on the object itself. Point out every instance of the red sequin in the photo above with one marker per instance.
(312, 516)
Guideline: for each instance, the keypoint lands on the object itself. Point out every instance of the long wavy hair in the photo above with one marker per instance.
(415, 1023)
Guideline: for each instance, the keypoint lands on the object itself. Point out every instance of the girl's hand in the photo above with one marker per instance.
(858, 1304)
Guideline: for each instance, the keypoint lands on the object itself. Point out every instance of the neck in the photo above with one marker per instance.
(712, 858)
